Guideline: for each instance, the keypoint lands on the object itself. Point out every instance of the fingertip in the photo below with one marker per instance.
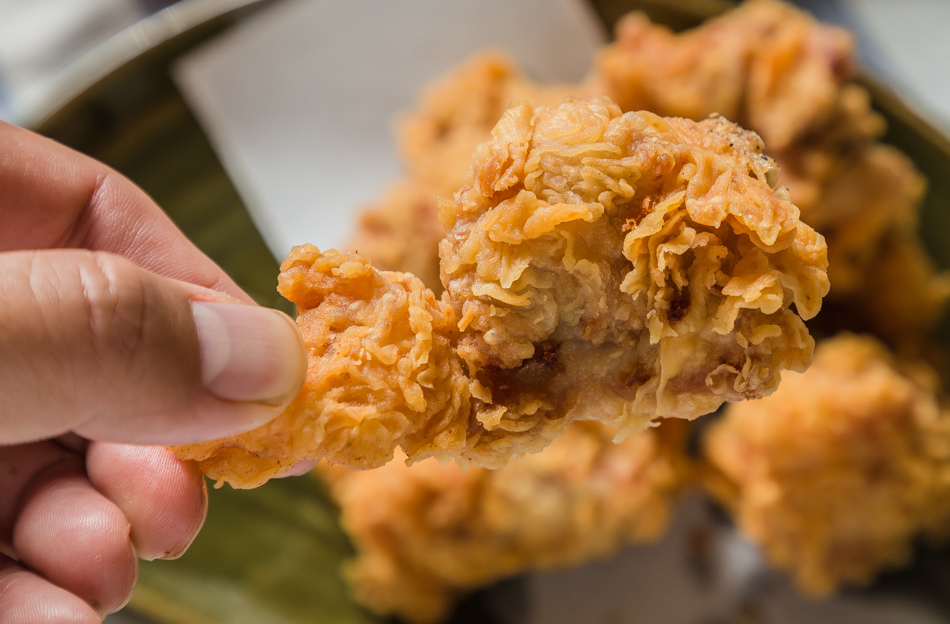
(164, 498)
(249, 353)
(109, 351)
(253, 364)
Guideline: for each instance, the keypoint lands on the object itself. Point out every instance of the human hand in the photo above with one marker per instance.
(116, 335)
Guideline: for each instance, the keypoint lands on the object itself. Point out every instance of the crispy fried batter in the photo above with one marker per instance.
(838, 471)
(775, 70)
(623, 267)
(381, 372)
(600, 266)
(428, 533)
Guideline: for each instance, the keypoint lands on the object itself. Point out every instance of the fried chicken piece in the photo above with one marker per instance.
(600, 266)
(381, 368)
(775, 70)
(839, 470)
(427, 534)
(625, 265)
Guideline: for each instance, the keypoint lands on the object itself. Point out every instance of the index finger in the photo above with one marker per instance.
(54, 197)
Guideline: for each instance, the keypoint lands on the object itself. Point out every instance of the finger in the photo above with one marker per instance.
(19, 465)
(163, 498)
(51, 196)
(26, 598)
(95, 345)
(74, 537)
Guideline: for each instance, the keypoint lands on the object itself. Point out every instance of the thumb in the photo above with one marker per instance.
(93, 344)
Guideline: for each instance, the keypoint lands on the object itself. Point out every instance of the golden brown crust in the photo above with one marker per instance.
(837, 472)
(428, 533)
(624, 267)
(601, 266)
(381, 371)
(774, 69)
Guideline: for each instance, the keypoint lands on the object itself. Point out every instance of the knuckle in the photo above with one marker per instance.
(114, 305)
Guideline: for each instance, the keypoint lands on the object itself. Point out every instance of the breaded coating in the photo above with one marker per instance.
(381, 372)
(429, 533)
(600, 266)
(774, 69)
(837, 472)
(623, 267)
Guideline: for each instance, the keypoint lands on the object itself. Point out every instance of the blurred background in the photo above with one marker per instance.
(235, 115)
(41, 39)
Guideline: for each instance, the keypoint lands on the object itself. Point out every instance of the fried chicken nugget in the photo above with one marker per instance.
(601, 266)
(836, 473)
(427, 534)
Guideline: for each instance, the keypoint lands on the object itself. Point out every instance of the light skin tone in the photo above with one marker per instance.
(117, 337)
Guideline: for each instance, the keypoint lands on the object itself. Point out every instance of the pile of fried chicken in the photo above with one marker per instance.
(606, 275)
